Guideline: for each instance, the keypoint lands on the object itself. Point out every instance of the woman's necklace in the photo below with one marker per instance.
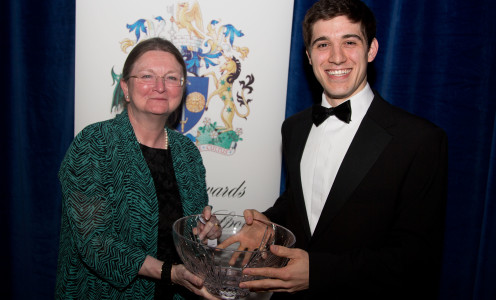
(166, 136)
(166, 139)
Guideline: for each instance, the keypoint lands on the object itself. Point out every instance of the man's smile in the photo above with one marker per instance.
(338, 72)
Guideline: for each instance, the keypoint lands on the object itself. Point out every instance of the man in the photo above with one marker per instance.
(365, 194)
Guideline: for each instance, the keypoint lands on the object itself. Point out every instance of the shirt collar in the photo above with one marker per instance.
(360, 102)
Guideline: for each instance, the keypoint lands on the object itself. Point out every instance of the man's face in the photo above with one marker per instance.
(339, 56)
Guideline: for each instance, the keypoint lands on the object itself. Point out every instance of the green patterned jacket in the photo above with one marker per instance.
(110, 210)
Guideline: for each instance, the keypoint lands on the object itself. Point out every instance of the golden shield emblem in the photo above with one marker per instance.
(195, 102)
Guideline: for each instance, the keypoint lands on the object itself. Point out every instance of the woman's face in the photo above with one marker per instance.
(158, 96)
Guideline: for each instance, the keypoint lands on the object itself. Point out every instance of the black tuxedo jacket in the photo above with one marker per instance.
(380, 233)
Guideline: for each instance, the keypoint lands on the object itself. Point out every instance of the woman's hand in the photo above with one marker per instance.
(209, 226)
(180, 275)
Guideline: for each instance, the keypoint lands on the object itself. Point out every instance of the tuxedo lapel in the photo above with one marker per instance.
(367, 145)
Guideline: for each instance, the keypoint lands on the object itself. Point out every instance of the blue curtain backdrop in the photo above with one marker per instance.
(436, 59)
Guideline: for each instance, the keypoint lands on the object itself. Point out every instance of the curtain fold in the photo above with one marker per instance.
(486, 263)
(436, 59)
(38, 114)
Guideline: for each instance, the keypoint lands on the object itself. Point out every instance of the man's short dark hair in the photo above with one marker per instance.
(355, 10)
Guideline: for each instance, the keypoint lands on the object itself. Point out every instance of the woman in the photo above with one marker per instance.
(124, 182)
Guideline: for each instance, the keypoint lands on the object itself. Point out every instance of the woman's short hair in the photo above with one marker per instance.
(155, 44)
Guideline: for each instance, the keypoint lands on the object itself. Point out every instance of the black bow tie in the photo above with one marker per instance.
(342, 112)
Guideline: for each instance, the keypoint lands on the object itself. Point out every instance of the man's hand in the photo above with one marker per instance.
(251, 214)
(251, 237)
(292, 278)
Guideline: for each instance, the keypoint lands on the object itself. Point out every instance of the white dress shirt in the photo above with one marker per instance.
(324, 152)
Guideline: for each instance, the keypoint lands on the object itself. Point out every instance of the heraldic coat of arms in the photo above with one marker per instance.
(214, 65)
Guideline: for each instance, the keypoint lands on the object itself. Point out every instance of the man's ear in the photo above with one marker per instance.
(308, 56)
(374, 47)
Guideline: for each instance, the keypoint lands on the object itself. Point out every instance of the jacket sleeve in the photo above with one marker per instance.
(279, 211)
(94, 218)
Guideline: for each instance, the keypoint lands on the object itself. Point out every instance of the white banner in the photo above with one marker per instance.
(237, 55)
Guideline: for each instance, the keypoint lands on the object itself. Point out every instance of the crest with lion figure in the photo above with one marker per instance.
(214, 64)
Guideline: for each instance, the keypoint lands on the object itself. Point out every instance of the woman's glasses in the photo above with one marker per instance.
(150, 79)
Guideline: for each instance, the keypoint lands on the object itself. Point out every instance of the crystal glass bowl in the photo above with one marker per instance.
(220, 262)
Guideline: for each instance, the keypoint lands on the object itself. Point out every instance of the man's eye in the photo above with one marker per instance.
(172, 78)
(146, 77)
(323, 45)
(350, 43)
